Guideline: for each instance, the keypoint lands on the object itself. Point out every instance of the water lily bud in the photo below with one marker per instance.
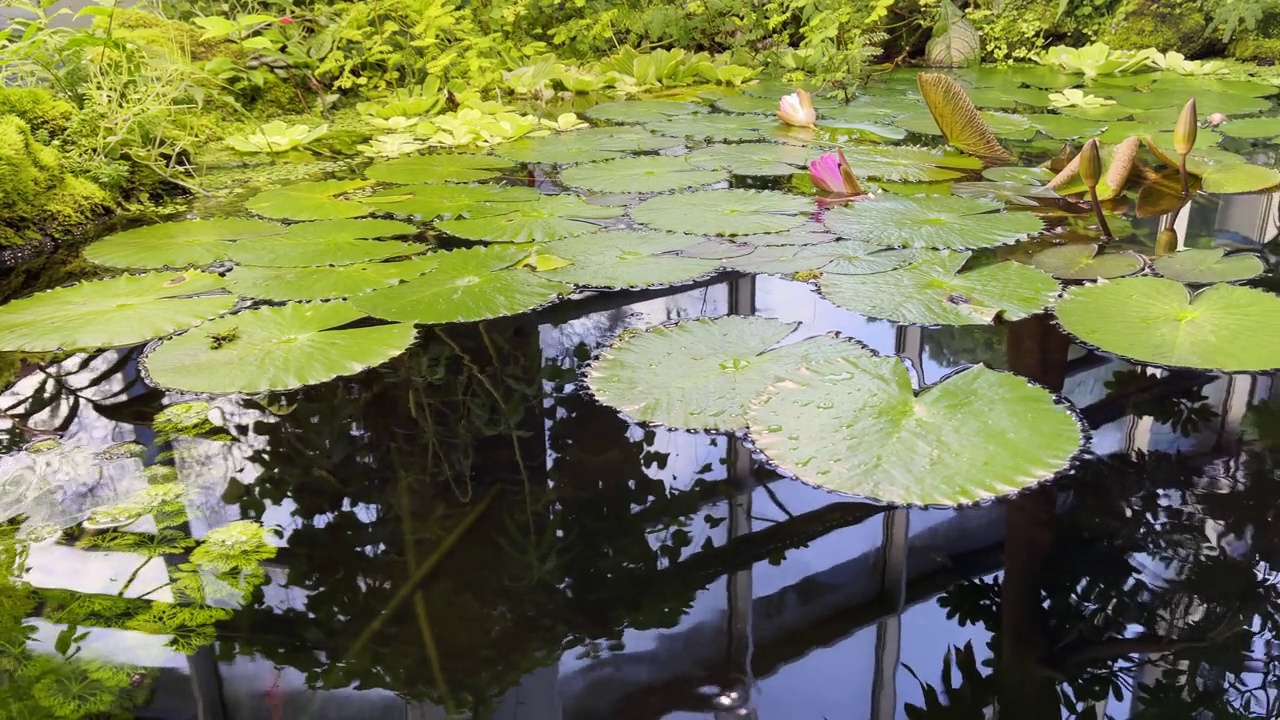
(1090, 164)
(1167, 242)
(797, 109)
(831, 174)
(1184, 135)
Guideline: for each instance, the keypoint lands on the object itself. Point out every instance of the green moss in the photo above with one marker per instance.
(37, 197)
(1162, 24)
(170, 38)
(39, 109)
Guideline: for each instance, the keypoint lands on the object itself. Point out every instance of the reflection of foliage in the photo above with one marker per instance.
(967, 700)
(1186, 412)
(952, 345)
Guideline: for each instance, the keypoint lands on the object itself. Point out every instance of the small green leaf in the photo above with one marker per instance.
(646, 174)
(1207, 266)
(932, 222)
(1082, 262)
(724, 212)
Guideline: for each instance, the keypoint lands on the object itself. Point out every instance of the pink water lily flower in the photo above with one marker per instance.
(831, 174)
(797, 109)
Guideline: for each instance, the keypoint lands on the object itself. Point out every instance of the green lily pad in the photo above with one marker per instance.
(717, 249)
(1023, 175)
(934, 291)
(643, 111)
(323, 283)
(812, 235)
(908, 164)
(1238, 178)
(845, 257)
(309, 201)
(1008, 193)
(932, 222)
(588, 145)
(1251, 128)
(1210, 265)
(467, 285)
(749, 104)
(1192, 85)
(1005, 125)
(332, 230)
(647, 174)
(713, 128)
(1159, 321)
(440, 168)
(1065, 127)
(117, 312)
(1110, 113)
(617, 259)
(286, 251)
(855, 426)
(724, 212)
(176, 244)
(1227, 103)
(427, 202)
(1082, 262)
(752, 158)
(845, 130)
(1008, 98)
(274, 348)
(703, 373)
(550, 217)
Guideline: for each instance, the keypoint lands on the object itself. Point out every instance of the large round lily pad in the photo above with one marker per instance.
(117, 312)
(467, 285)
(855, 426)
(908, 164)
(643, 111)
(847, 257)
(274, 348)
(1160, 321)
(753, 158)
(934, 291)
(323, 283)
(1083, 262)
(285, 251)
(627, 259)
(713, 128)
(1211, 265)
(176, 244)
(427, 202)
(316, 200)
(932, 221)
(550, 217)
(703, 373)
(646, 174)
(724, 212)
(589, 145)
(438, 168)
(1252, 128)
(333, 230)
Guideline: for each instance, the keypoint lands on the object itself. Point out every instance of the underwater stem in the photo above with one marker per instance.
(420, 603)
(1097, 210)
(411, 585)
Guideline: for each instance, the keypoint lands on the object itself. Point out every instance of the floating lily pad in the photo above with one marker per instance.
(1008, 193)
(1159, 321)
(752, 158)
(1191, 85)
(627, 259)
(1209, 266)
(639, 174)
(1227, 103)
(1251, 128)
(1110, 113)
(703, 373)
(309, 201)
(812, 235)
(1008, 98)
(724, 212)
(908, 164)
(427, 202)
(331, 230)
(934, 291)
(842, 130)
(717, 249)
(931, 222)
(855, 426)
(1082, 262)
(286, 251)
(1005, 125)
(439, 168)
(643, 111)
(846, 257)
(1023, 175)
(467, 285)
(118, 312)
(323, 283)
(274, 348)
(176, 244)
(550, 217)
(749, 104)
(1241, 178)
(589, 145)
(713, 128)
(1065, 127)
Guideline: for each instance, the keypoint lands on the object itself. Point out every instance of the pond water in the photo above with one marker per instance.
(470, 529)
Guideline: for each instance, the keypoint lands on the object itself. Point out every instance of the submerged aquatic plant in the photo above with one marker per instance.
(831, 174)
(797, 109)
(276, 137)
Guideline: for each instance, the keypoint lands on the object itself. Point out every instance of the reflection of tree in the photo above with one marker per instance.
(953, 346)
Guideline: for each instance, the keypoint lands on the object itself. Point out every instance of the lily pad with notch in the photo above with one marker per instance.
(1004, 125)
(314, 200)
(713, 128)
(645, 174)
(588, 145)
(1023, 175)
(908, 163)
(643, 111)
(176, 244)
(115, 312)
(1252, 128)
(616, 259)
(1084, 261)
(703, 373)
(284, 284)
(724, 212)
(933, 221)
(1008, 193)
(428, 202)
(845, 257)
(285, 251)
(936, 291)
(1162, 322)
(1210, 265)
(752, 158)
(550, 217)
(1066, 127)
(274, 348)
(438, 168)
(855, 426)
(467, 285)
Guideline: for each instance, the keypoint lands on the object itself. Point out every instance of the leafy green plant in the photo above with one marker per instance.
(1231, 16)
(1097, 59)
(1177, 62)
(1075, 97)
(276, 137)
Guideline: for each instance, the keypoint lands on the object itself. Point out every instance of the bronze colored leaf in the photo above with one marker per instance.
(1120, 161)
(959, 120)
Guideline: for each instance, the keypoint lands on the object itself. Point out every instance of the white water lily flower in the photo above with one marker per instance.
(797, 109)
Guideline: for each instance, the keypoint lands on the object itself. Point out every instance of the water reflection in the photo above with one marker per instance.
(463, 532)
